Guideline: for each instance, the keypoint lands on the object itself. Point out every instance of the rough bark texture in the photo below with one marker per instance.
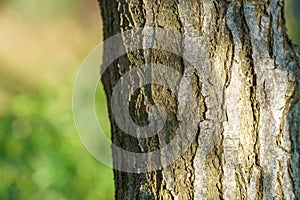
(248, 104)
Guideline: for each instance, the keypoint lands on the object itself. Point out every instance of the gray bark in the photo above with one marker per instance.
(248, 104)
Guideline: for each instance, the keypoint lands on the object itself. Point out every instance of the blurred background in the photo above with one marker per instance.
(43, 44)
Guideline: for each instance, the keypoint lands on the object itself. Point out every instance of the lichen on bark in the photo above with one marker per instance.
(247, 139)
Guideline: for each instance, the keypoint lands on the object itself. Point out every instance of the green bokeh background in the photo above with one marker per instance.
(43, 44)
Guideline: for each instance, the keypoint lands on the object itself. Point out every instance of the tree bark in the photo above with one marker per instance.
(248, 107)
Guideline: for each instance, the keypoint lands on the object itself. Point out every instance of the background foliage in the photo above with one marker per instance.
(42, 46)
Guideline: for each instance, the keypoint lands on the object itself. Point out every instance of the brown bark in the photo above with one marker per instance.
(247, 104)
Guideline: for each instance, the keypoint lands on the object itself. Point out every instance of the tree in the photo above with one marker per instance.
(247, 102)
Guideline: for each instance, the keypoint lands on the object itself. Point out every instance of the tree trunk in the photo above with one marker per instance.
(245, 104)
